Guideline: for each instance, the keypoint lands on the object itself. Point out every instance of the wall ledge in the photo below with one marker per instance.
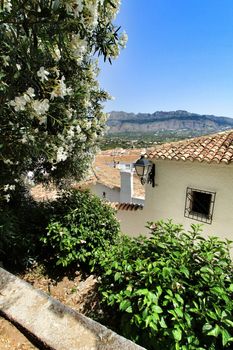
(51, 323)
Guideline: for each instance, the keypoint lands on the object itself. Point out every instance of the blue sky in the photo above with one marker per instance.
(179, 56)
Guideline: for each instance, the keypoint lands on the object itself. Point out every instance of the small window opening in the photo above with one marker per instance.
(201, 202)
(199, 205)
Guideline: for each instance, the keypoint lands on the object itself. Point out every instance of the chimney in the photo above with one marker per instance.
(126, 192)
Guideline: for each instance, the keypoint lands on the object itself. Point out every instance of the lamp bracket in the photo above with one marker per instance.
(151, 176)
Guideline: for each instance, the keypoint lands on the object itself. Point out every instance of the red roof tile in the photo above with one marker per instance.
(216, 148)
(125, 206)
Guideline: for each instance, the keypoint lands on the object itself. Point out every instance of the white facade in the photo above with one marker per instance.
(167, 199)
(122, 194)
(111, 194)
(133, 222)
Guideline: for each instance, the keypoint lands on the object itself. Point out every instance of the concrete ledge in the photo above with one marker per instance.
(52, 323)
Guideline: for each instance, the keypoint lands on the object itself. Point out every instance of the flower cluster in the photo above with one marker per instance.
(51, 101)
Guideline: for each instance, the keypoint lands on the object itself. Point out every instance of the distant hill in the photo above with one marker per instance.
(122, 122)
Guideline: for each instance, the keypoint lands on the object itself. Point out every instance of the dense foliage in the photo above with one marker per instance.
(50, 101)
(79, 224)
(64, 231)
(171, 291)
(22, 222)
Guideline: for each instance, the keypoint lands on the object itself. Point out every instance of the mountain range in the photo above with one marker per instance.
(122, 122)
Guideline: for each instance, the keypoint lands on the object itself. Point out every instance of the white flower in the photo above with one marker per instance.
(60, 89)
(78, 8)
(94, 136)
(123, 40)
(42, 74)
(88, 125)
(18, 66)
(40, 107)
(69, 113)
(43, 120)
(31, 92)
(61, 154)
(8, 161)
(93, 9)
(6, 188)
(78, 46)
(24, 139)
(83, 138)
(7, 5)
(7, 197)
(19, 103)
(74, 6)
(78, 129)
(57, 54)
(71, 132)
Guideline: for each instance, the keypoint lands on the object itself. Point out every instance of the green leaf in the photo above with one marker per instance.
(125, 304)
(177, 334)
(215, 331)
(129, 310)
(166, 272)
(157, 309)
(142, 292)
(117, 276)
(179, 311)
(226, 337)
(162, 323)
(185, 271)
(207, 327)
(56, 4)
(217, 290)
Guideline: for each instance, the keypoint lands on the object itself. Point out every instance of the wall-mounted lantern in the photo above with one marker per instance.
(145, 169)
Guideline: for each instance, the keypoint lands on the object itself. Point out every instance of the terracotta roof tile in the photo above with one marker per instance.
(106, 174)
(125, 206)
(216, 148)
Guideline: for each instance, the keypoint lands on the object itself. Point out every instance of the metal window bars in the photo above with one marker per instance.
(196, 209)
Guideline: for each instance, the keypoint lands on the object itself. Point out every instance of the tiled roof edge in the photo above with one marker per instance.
(126, 206)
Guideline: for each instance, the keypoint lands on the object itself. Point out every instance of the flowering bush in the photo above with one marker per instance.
(50, 99)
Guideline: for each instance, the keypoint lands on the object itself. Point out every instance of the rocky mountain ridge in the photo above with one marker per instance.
(122, 122)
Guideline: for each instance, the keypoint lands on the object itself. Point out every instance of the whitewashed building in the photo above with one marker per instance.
(194, 184)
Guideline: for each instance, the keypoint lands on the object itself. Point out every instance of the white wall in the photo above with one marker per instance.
(126, 191)
(167, 198)
(138, 200)
(112, 194)
(132, 222)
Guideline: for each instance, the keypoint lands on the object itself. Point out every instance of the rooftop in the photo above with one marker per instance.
(215, 148)
(105, 173)
(125, 206)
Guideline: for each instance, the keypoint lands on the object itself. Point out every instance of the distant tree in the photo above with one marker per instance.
(50, 100)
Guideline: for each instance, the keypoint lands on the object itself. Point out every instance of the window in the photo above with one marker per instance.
(199, 205)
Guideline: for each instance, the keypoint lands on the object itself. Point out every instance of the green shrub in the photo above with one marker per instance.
(171, 291)
(79, 224)
(22, 221)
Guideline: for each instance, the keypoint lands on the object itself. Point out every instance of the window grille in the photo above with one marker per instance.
(199, 205)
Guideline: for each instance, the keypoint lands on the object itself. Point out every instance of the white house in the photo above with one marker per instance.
(113, 178)
(194, 184)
